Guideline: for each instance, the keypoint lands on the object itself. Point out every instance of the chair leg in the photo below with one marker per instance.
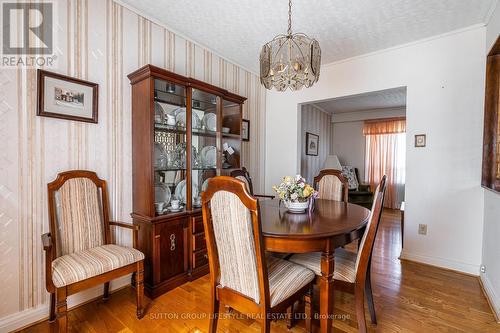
(290, 316)
(369, 297)
(52, 313)
(214, 311)
(61, 310)
(265, 324)
(139, 289)
(359, 298)
(308, 310)
(105, 295)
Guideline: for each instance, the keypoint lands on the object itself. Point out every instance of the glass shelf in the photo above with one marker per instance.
(228, 135)
(182, 130)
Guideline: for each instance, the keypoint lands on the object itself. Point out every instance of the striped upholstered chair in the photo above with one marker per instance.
(352, 270)
(241, 276)
(331, 185)
(78, 250)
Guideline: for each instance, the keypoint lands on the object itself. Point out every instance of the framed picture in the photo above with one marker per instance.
(245, 130)
(312, 144)
(420, 140)
(65, 97)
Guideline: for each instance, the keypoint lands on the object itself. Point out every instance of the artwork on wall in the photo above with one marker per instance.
(65, 97)
(312, 144)
(245, 130)
(420, 140)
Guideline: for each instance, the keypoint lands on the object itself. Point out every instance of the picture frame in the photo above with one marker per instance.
(65, 97)
(420, 140)
(312, 144)
(245, 130)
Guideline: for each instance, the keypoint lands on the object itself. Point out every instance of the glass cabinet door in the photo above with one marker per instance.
(169, 147)
(231, 136)
(205, 160)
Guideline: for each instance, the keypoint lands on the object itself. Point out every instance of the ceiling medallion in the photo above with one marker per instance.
(290, 61)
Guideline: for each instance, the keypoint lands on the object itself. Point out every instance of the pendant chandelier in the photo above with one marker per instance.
(290, 61)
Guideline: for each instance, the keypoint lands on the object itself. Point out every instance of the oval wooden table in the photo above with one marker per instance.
(332, 224)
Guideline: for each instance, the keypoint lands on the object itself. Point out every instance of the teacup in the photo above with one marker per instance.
(159, 206)
(175, 204)
(197, 201)
(170, 120)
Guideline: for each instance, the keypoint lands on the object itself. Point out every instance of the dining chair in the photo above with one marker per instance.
(243, 175)
(352, 270)
(331, 185)
(241, 275)
(79, 252)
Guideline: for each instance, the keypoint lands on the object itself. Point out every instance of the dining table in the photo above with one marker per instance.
(328, 225)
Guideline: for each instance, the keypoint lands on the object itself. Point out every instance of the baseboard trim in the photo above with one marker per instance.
(26, 318)
(453, 265)
(491, 296)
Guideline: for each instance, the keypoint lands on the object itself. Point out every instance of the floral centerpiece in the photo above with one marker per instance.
(295, 193)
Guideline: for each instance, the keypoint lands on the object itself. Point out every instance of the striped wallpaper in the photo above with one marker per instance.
(317, 122)
(100, 41)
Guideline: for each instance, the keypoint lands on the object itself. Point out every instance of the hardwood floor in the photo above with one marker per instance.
(409, 297)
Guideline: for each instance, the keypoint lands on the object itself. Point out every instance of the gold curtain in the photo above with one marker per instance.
(385, 126)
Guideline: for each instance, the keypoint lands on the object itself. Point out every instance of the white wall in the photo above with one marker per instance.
(316, 122)
(493, 28)
(444, 77)
(491, 233)
(348, 143)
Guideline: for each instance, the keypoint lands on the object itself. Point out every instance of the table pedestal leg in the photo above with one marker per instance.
(326, 292)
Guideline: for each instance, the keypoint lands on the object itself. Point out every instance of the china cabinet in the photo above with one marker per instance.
(184, 131)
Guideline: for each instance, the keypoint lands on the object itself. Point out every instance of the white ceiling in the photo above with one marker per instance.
(383, 99)
(344, 28)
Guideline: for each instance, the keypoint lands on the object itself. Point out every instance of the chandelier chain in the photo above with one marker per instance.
(289, 17)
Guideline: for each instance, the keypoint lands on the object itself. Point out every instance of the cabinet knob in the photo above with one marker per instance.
(206, 255)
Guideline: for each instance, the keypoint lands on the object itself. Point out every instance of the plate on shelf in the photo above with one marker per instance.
(180, 119)
(210, 121)
(162, 193)
(209, 156)
(175, 112)
(180, 191)
(170, 209)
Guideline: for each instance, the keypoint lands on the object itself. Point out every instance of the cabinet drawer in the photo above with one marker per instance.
(200, 258)
(197, 224)
(199, 241)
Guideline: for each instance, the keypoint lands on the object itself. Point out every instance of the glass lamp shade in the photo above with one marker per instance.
(332, 162)
(290, 61)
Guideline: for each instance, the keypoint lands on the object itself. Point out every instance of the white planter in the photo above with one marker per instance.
(296, 207)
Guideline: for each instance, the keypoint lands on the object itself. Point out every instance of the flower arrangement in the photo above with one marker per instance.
(295, 189)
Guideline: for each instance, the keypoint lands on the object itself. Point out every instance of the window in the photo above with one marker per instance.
(386, 155)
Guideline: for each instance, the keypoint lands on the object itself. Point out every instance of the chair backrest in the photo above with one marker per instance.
(368, 240)
(331, 185)
(243, 175)
(234, 238)
(78, 211)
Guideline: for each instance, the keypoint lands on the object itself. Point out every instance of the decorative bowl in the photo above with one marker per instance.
(297, 207)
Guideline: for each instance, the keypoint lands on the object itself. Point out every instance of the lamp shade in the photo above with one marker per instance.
(332, 162)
